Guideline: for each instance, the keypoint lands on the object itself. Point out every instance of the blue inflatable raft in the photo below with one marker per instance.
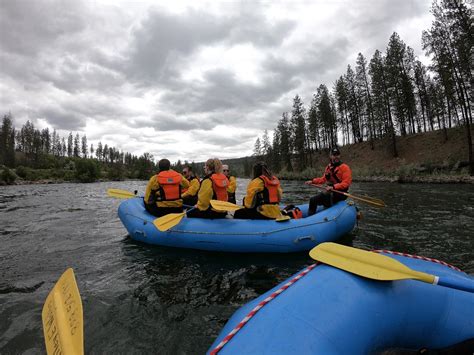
(241, 235)
(324, 310)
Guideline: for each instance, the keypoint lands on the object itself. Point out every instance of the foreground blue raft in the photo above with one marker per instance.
(241, 235)
(324, 310)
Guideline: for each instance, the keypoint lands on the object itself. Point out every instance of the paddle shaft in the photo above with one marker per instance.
(378, 203)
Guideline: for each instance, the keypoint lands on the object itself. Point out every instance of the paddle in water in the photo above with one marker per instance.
(62, 317)
(367, 199)
(118, 193)
(378, 267)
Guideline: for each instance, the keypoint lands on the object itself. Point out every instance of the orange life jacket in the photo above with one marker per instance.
(170, 185)
(269, 195)
(331, 174)
(219, 186)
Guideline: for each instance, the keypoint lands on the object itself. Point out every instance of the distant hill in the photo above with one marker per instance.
(420, 154)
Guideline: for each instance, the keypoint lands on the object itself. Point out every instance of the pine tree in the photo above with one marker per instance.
(77, 140)
(285, 141)
(98, 151)
(266, 147)
(380, 93)
(70, 145)
(7, 142)
(298, 131)
(363, 88)
(84, 146)
(257, 150)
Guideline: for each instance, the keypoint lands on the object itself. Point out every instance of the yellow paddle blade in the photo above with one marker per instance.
(117, 193)
(224, 206)
(365, 263)
(168, 221)
(283, 218)
(270, 211)
(62, 317)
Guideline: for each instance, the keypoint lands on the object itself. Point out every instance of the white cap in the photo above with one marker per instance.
(225, 167)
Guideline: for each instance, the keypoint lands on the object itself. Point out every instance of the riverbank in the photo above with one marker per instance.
(422, 158)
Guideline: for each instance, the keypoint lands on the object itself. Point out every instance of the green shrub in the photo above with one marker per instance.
(116, 173)
(22, 171)
(7, 176)
(87, 170)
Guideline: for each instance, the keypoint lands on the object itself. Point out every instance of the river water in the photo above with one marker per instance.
(144, 299)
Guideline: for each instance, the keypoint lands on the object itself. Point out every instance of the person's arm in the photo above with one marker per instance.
(346, 178)
(193, 188)
(151, 187)
(317, 181)
(232, 184)
(255, 186)
(184, 182)
(205, 195)
(280, 192)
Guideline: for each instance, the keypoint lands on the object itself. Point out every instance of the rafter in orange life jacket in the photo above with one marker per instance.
(269, 195)
(331, 174)
(219, 186)
(170, 185)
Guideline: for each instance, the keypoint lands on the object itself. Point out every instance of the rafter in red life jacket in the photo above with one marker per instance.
(269, 195)
(170, 185)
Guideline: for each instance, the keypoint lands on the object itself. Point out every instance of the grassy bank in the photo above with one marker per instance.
(423, 157)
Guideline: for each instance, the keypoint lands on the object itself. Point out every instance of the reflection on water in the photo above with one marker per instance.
(143, 299)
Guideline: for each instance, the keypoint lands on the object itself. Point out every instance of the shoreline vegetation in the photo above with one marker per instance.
(423, 158)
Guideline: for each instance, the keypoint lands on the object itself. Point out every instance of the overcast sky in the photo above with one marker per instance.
(184, 79)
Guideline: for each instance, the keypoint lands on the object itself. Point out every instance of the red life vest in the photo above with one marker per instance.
(170, 185)
(219, 186)
(331, 173)
(269, 195)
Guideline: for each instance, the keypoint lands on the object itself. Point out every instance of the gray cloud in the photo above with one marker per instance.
(62, 119)
(29, 27)
(162, 41)
(124, 69)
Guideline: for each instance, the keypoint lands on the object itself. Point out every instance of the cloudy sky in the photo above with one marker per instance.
(187, 80)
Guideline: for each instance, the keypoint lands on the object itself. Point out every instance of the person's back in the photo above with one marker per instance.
(213, 186)
(163, 191)
(263, 191)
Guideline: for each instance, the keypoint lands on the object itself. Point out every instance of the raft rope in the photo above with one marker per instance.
(418, 257)
(249, 316)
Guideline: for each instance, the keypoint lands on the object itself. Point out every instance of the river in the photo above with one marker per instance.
(143, 299)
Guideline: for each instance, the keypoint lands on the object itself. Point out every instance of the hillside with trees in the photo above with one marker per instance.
(393, 95)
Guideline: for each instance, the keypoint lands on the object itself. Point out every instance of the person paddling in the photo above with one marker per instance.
(337, 176)
(264, 190)
(213, 186)
(232, 183)
(163, 191)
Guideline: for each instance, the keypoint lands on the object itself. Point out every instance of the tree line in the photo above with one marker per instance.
(32, 148)
(392, 94)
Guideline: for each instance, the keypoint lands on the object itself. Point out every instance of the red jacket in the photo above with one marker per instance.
(340, 176)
